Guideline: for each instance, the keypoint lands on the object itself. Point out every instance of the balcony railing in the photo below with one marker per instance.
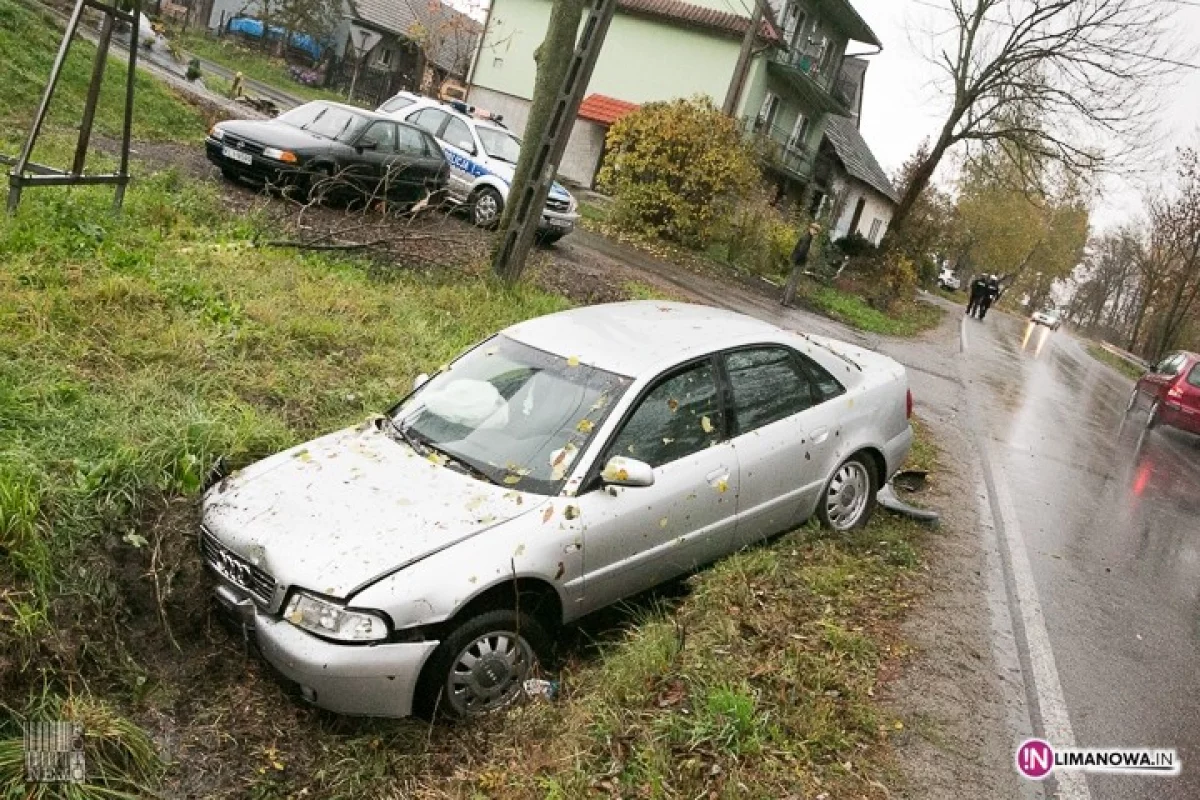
(807, 59)
(775, 148)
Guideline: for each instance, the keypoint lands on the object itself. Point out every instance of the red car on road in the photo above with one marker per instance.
(1171, 392)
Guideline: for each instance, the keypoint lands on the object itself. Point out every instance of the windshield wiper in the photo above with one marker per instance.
(420, 446)
(423, 447)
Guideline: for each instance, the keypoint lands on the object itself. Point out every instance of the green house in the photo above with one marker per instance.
(664, 49)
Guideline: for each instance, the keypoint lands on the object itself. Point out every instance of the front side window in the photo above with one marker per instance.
(680, 416)
(501, 145)
(383, 134)
(768, 385)
(515, 415)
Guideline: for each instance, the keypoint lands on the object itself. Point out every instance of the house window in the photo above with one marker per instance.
(766, 114)
(876, 224)
(799, 133)
(383, 57)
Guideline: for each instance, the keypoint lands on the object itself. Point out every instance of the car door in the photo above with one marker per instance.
(434, 120)
(463, 154)
(376, 160)
(637, 537)
(782, 431)
(419, 162)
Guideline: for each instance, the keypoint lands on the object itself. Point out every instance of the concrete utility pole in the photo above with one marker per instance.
(734, 94)
(546, 134)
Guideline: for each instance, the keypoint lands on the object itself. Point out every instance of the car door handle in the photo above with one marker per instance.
(721, 473)
(819, 434)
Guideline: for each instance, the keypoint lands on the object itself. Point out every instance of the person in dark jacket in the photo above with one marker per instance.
(990, 295)
(978, 290)
(799, 261)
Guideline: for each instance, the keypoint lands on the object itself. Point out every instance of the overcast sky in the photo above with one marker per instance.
(900, 108)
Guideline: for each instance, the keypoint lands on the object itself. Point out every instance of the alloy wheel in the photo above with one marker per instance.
(848, 496)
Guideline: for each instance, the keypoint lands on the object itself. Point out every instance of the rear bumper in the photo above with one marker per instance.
(895, 452)
(1179, 416)
(369, 680)
(558, 223)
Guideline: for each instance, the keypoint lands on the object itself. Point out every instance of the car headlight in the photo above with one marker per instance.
(334, 621)
(217, 133)
(280, 155)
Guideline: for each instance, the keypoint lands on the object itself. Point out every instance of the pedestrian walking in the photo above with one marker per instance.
(799, 261)
(978, 290)
(991, 294)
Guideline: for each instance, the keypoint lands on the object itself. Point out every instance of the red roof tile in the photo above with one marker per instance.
(701, 17)
(605, 109)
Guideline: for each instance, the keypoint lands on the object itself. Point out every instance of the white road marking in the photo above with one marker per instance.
(1052, 705)
(962, 335)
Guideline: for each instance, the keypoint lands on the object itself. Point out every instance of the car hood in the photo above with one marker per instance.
(339, 512)
(505, 171)
(274, 134)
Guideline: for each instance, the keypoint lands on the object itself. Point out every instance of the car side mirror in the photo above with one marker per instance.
(622, 471)
(420, 380)
(368, 144)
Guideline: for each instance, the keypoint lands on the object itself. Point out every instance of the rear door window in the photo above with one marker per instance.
(411, 141)
(1193, 377)
(768, 385)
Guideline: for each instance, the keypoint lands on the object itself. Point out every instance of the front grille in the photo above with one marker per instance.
(561, 206)
(229, 564)
(238, 143)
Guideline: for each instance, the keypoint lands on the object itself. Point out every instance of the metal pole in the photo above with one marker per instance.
(14, 191)
(517, 238)
(89, 105)
(734, 93)
(127, 127)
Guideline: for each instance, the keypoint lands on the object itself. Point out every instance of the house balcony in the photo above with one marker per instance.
(777, 153)
(800, 70)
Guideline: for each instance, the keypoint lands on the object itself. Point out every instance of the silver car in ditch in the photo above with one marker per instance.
(422, 561)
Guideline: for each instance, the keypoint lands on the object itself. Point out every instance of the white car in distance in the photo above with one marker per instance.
(483, 157)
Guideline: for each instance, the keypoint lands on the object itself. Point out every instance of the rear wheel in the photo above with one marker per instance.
(481, 666)
(849, 498)
(486, 208)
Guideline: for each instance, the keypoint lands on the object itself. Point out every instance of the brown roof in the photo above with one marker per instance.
(699, 16)
(453, 35)
(604, 109)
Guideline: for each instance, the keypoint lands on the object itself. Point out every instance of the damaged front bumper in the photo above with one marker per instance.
(368, 679)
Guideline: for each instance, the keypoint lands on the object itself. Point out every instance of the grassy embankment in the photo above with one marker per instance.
(136, 350)
(1126, 368)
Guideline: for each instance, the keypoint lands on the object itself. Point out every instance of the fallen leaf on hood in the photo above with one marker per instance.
(302, 455)
(584, 426)
(573, 361)
(547, 514)
(706, 424)
(571, 512)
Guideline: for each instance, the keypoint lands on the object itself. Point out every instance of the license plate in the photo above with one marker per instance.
(237, 155)
(558, 223)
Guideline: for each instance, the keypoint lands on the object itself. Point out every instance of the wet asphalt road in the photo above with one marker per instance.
(1110, 515)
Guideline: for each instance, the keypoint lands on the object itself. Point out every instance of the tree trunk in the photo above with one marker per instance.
(919, 180)
(553, 58)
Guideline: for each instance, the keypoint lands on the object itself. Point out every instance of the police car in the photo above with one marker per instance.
(483, 156)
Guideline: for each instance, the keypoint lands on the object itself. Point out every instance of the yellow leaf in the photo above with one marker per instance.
(706, 424)
(585, 426)
(573, 361)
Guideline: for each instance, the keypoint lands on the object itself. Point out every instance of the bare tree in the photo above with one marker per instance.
(1061, 81)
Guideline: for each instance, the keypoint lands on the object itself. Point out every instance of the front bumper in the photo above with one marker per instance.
(260, 169)
(555, 222)
(375, 680)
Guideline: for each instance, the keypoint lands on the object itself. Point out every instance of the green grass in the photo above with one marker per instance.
(908, 318)
(1126, 368)
(29, 37)
(593, 212)
(251, 62)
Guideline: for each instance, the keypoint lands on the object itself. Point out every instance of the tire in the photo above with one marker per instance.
(486, 208)
(1152, 417)
(318, 190)
(465, 693)
(549, 239)
(848, 499)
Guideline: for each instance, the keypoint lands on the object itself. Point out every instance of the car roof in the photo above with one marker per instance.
(632, 337)
(476, 122)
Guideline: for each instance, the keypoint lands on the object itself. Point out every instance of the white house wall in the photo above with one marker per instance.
(877, 207)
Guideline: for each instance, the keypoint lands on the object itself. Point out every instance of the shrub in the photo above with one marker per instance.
(758, 237)
(674, 168)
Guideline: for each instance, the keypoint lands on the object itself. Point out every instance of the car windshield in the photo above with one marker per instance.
(331, 122)
(518, 415)
(500, 144)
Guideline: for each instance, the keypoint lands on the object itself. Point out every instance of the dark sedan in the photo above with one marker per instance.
(332, 149)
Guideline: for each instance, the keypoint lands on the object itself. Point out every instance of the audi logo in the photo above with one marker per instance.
(231, 568)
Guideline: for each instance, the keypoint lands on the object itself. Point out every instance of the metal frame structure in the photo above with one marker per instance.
(25, 172)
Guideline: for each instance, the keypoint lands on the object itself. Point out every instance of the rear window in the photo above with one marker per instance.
(396, 103)
(1194, 376)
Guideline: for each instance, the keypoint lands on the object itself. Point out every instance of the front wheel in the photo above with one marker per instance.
(481, 666)
(849, 498)
(486, 208)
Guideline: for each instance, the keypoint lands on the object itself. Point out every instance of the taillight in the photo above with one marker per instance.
(908, 404)
(1175, 392)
